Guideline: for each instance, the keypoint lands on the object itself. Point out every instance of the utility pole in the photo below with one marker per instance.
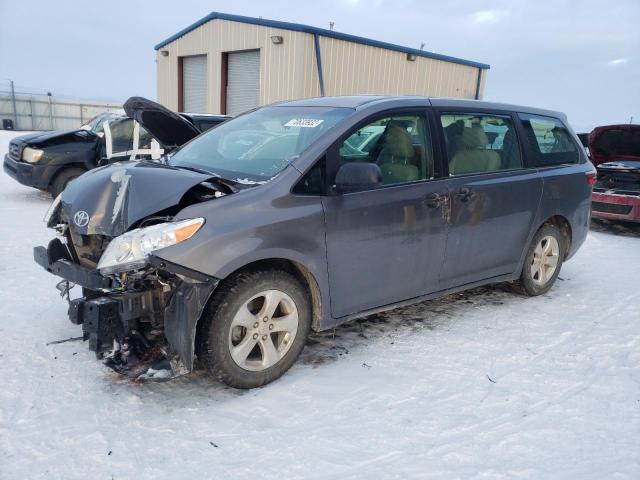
(50, 111)
(15, 110)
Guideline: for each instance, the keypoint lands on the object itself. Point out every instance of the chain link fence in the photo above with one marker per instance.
(23, 110)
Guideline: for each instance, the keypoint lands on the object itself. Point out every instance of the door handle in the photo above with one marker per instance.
(465, 194)
(433, 200)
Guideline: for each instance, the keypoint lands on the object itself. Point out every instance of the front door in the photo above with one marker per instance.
(386, 244)
(494, 199)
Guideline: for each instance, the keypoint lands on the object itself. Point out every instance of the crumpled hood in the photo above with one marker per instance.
(109, 200)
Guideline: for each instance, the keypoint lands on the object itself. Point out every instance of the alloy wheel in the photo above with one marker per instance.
(262, 330)
(545, 260)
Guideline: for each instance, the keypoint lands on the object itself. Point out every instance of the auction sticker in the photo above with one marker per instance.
(303, 122)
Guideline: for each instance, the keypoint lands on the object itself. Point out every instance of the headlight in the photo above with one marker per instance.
(131, 250)
(32, 155)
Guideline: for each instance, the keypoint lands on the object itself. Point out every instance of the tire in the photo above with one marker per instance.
(238, 320)
(63, 179)
(543, 261)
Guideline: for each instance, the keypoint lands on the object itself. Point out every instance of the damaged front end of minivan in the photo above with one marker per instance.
(111, 228)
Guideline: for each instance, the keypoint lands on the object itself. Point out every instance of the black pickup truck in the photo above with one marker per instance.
(50, 160)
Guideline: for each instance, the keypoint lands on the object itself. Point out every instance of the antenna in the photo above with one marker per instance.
(331, 24)
(422, 46)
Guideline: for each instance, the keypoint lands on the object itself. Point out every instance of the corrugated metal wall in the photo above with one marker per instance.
(353, 68)
(288, 71)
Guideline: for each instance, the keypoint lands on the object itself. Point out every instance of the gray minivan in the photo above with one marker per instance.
(306, 214)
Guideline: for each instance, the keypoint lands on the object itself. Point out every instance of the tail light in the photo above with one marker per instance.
(591, 178)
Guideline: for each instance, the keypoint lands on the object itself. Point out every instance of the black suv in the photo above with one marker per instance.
(50, 160)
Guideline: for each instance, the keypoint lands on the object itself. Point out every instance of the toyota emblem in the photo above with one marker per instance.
(81, 218)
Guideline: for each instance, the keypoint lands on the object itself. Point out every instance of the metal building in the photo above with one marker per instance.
(228, 63)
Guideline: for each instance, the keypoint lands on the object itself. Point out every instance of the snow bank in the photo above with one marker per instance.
(479, 385)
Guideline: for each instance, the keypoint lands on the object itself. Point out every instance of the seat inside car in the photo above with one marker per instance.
(397, 159)
(470, 155)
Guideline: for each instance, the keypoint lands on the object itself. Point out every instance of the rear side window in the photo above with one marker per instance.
(550, 141)
(478, 143)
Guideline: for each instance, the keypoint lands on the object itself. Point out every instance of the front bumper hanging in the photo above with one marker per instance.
(107, 313)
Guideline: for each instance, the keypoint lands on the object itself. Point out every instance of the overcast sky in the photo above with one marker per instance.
(582, 58)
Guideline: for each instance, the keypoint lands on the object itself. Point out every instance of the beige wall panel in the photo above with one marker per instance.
(352, 68)
(288, 71)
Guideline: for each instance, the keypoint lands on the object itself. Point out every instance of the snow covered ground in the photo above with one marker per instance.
(480, 385)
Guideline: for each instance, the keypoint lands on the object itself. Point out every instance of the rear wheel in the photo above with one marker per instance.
(543, 261)
(64, 178)
(255, 328)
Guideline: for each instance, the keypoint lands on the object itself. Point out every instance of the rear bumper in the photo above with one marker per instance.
(614, 206)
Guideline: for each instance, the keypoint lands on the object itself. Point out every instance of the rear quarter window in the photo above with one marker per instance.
(550, 141)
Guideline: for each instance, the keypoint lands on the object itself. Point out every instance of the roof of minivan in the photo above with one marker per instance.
(363, 101)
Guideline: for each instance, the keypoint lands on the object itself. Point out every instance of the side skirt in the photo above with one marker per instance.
(334, 322)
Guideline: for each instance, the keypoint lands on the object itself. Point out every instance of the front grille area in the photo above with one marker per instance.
(611, 208)
(14, 151)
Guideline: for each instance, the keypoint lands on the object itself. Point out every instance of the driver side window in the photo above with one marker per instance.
(398, 144)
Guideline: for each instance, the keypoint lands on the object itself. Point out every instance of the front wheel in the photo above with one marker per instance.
(255, 328)
(543, 261)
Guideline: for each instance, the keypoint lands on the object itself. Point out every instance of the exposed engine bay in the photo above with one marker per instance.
(144, 314)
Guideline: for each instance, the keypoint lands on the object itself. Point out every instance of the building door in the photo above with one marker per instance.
(243, 81)
(194, 84)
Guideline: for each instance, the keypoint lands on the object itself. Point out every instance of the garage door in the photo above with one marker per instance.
(194, 83)
(243, 81)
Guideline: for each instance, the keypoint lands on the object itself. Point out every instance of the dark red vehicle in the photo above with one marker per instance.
(615, 151)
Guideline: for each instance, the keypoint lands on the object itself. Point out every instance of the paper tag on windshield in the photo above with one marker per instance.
(303, 122)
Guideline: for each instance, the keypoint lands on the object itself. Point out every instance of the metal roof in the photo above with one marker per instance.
(358, 101)
(298, 27)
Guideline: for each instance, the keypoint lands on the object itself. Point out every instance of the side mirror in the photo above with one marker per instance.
(357, 176)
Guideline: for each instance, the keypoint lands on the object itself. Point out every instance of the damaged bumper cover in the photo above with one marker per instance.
(109, 314)
(616, 206)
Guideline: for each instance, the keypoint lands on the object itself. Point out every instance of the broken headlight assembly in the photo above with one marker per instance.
(131, 250)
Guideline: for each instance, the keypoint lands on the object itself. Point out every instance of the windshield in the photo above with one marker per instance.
(258, 145)
(95, 124)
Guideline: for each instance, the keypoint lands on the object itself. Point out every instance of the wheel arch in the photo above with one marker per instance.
(62, 169)
(562, 223)
(302, 273)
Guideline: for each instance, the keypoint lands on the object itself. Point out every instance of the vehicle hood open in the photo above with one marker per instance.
(614, 142)
(166, 126)
(110, 200)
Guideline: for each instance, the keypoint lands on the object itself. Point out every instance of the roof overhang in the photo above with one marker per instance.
(298, 27)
